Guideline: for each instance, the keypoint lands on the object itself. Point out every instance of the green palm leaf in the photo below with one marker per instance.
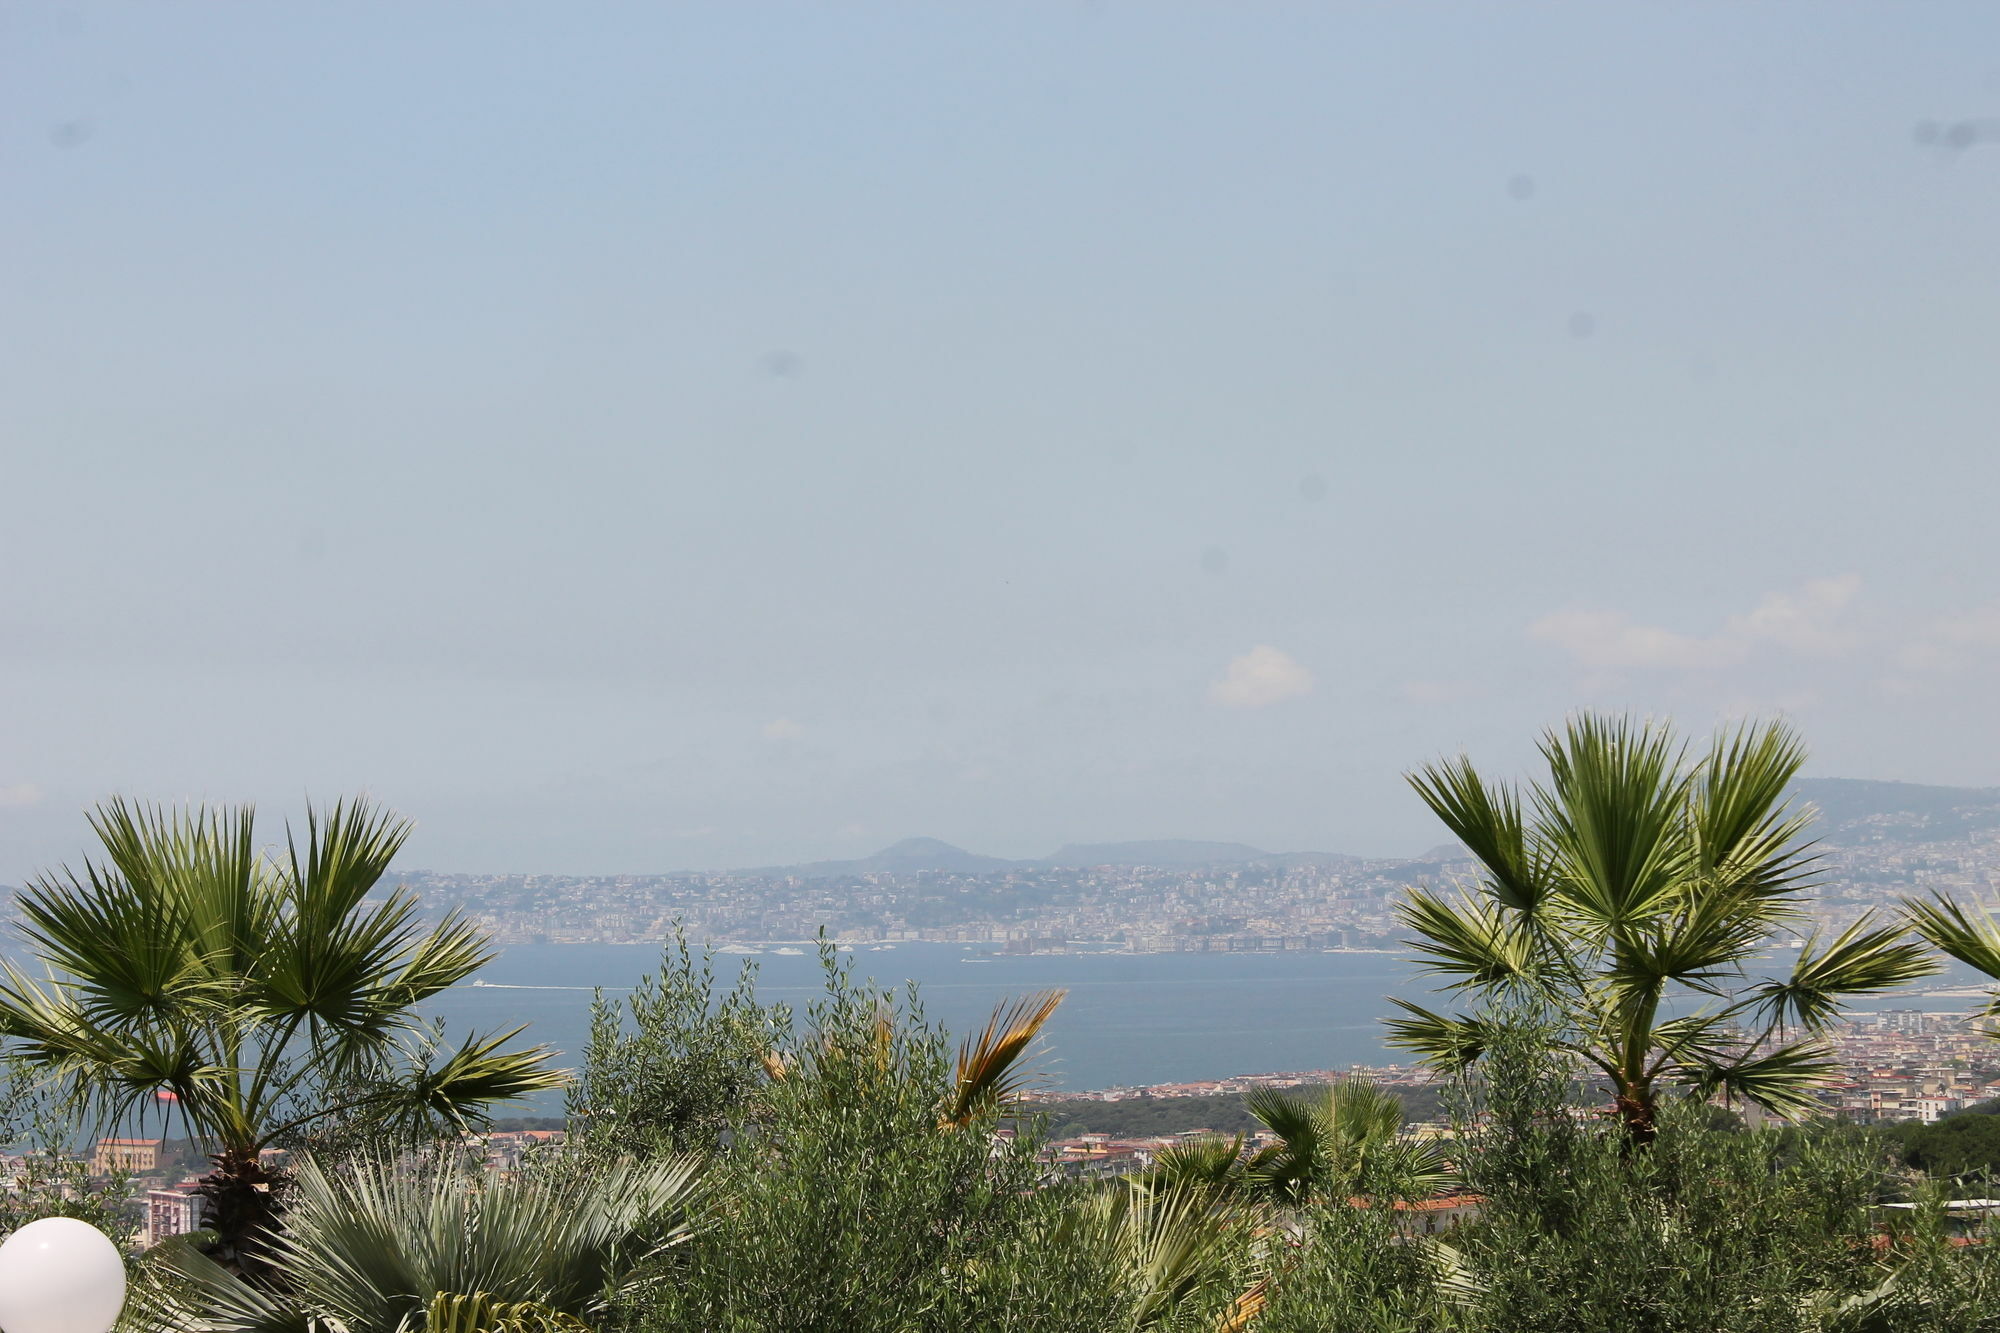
(1443, 1043)
(1864, 959)
(1477, 941)
(376, 1245)
(1971, 936)
(1488, 821)
(1785, 1081)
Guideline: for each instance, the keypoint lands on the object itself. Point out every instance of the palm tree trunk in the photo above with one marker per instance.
(241, 1206)
(1635, 1109)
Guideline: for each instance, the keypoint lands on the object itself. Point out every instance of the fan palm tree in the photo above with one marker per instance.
(1348, 1143)
(1635, 875)
(1168, 1254)
(438, 1244)
(1210, 1166)
(257, 997)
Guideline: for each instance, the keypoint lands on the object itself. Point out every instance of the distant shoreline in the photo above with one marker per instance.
(750, 948)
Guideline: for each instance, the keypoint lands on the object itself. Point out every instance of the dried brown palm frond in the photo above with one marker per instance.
(989, 1066)
(1243, 1311)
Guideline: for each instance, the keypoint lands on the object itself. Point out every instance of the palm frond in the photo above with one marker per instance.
(1971, 936)
(1613, 817)
(989, 1071)
(1783, 1081)
(1410, 1169)
(383, 1244)
(348, 850)
(1746, 837)
(475, 1076)
(1449, 1044)
(1698, 946)
(1361, 1112)
(1864, 959)
(1475, 940)
(1487, 819)
(178, 1289)
(1166, 1253)
(1212, 1165)
(1288, 1171)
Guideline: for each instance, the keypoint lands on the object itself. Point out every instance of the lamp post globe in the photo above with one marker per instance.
(60, 1275)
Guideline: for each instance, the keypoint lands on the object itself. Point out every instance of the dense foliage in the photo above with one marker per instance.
(1966, 1144)
(673, 1067)
(847, 1200)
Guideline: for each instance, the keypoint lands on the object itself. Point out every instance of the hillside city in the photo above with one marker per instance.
(1877, 841)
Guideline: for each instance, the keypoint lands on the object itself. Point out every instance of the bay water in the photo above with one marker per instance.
(1129, 1019)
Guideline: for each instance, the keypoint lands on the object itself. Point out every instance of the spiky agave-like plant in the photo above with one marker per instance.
(382, 1244)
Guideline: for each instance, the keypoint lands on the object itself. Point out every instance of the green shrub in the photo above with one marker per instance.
(675, 1065)
(844, 1204)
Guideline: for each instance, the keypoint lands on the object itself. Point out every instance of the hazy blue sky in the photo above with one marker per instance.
(648, 436)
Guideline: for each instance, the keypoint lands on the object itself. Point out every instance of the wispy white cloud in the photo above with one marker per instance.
(1951, 643)
(19, 795)
(782, 729)
(1261, 677)
(1805, 623)
(1613, 640)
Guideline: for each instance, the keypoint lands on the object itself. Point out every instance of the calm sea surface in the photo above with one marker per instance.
(1129, 1018)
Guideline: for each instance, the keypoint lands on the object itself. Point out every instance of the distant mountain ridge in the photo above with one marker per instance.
(1159, 852)
(1859, 810)
(914, 856)
(909, 857)
(1851, 810)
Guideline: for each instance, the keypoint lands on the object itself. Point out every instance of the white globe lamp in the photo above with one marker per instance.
(60, 1275)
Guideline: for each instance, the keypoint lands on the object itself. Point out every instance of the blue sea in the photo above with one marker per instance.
(1129, 1018)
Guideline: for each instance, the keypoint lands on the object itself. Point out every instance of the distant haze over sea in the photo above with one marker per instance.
(1129, 1019)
